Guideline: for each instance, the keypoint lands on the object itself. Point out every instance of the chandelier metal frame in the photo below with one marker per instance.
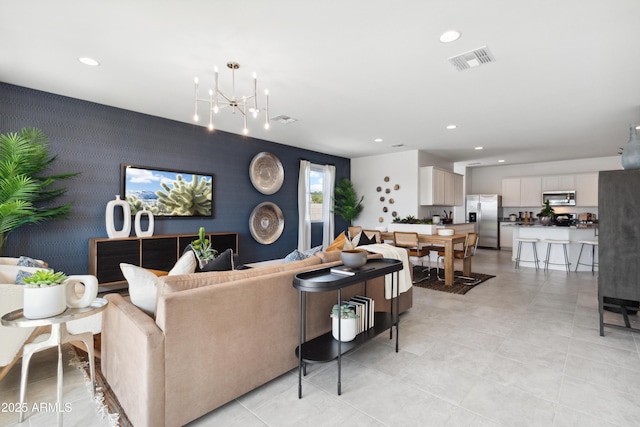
(218, 100)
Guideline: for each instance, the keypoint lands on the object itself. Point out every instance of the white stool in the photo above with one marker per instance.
(564, 244)
(533, 242)
(594, 244)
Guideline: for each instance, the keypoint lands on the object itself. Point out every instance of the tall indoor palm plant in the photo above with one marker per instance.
(26, 193)
(346, 203)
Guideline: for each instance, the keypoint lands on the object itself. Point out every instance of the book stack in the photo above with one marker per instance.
(364, 308)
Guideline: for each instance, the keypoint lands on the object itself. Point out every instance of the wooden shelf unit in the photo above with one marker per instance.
(155, 252)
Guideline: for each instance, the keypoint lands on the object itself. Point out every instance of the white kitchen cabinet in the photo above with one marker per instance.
(511, 192)
(449, 189)
(440, 188)
(587, 189)
(530, 191)
(558, 183)
(506, 235)
(458, 189)
(525, 191)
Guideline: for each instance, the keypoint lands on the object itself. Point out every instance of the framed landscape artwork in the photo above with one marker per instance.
(167, 193)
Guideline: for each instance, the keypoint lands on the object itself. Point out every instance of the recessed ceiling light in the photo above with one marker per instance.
(450, 127)
(450, 36)
(479, 148)
(89, 61)
(377, 140)
(501, 161)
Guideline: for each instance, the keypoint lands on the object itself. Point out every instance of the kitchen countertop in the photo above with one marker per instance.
(578, 226)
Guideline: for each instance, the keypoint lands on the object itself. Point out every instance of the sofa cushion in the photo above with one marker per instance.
(26, 261)
(171, 284)
(8, 273)
(339, 243)
(143, 283)
(294, 255)
(222, 262)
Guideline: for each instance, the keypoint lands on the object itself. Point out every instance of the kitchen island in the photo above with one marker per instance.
(541, 232)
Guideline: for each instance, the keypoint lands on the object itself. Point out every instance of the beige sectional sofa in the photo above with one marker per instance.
(216, 336)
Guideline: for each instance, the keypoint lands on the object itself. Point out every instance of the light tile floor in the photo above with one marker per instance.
(522, 349)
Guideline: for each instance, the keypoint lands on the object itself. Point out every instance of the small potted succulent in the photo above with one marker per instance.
(202, 248)
(44, 294)
(48, 293)
(348, 323)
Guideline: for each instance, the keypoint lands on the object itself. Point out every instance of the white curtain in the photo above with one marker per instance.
(327, 203)
(304, 219)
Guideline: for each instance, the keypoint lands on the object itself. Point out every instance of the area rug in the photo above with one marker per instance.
(108, 405)
(459, 286)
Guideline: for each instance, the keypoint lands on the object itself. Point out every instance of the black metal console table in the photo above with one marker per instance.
(325, 348)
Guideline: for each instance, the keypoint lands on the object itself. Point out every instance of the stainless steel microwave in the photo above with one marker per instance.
(559, 198)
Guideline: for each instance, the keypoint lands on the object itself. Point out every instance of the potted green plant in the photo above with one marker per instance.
(26, 192)
(546, 214)
(345, 202)
(44, 295)
(48, 293)
(202, 248)
(348, 323)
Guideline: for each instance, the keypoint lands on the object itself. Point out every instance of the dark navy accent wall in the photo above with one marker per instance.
(95, 139)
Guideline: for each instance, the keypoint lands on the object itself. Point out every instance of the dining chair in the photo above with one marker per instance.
(469, 250)
(410, 241)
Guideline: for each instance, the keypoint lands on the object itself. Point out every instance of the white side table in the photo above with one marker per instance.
(59, 336)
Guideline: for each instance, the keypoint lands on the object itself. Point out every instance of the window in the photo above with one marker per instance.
(316, 193)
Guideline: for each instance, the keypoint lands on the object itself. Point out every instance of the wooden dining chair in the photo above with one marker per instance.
(410, 241)
(469, 250)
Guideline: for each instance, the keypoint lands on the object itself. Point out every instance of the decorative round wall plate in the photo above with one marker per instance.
(266, 223)
(266, 173)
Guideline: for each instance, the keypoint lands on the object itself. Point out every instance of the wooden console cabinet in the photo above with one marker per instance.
(156, 252)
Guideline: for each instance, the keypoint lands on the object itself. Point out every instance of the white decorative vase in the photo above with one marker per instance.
(348, 328)
(109, 214)
(149, 231)
(90, 283)
(39, 303)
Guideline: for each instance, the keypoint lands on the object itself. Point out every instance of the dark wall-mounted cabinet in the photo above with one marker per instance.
(619, 242)
(156, 252)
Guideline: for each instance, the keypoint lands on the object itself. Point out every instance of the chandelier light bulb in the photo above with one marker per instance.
(245, 131)
(266, 126)
(215, 109)
(210, 126)
(196, 118)
(196, 81)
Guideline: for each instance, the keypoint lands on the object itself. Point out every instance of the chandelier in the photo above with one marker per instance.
(246, 104)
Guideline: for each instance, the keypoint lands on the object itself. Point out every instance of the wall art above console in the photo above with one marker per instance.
(167, 193)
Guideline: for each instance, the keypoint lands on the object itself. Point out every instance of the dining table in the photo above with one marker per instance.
(448, 242)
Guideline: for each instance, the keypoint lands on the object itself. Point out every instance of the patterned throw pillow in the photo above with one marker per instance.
(311, 252)
(21, 276)
(25, 261)
(365, 240)
(295, 255)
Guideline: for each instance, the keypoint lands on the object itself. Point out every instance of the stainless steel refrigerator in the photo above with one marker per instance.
(486, 211)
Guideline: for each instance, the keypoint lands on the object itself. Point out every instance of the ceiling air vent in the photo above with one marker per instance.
(472, 59)
(282, 119)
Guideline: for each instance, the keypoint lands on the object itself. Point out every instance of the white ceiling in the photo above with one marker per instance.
(565, 84)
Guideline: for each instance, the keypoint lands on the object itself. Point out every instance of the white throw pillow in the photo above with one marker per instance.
(142, 287)
(143, 284)
(185, 265)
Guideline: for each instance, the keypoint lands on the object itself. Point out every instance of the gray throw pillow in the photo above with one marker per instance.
(222, 262)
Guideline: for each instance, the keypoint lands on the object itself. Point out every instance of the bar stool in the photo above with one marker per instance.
(533, 242)
(594, 244)
(564, 244)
